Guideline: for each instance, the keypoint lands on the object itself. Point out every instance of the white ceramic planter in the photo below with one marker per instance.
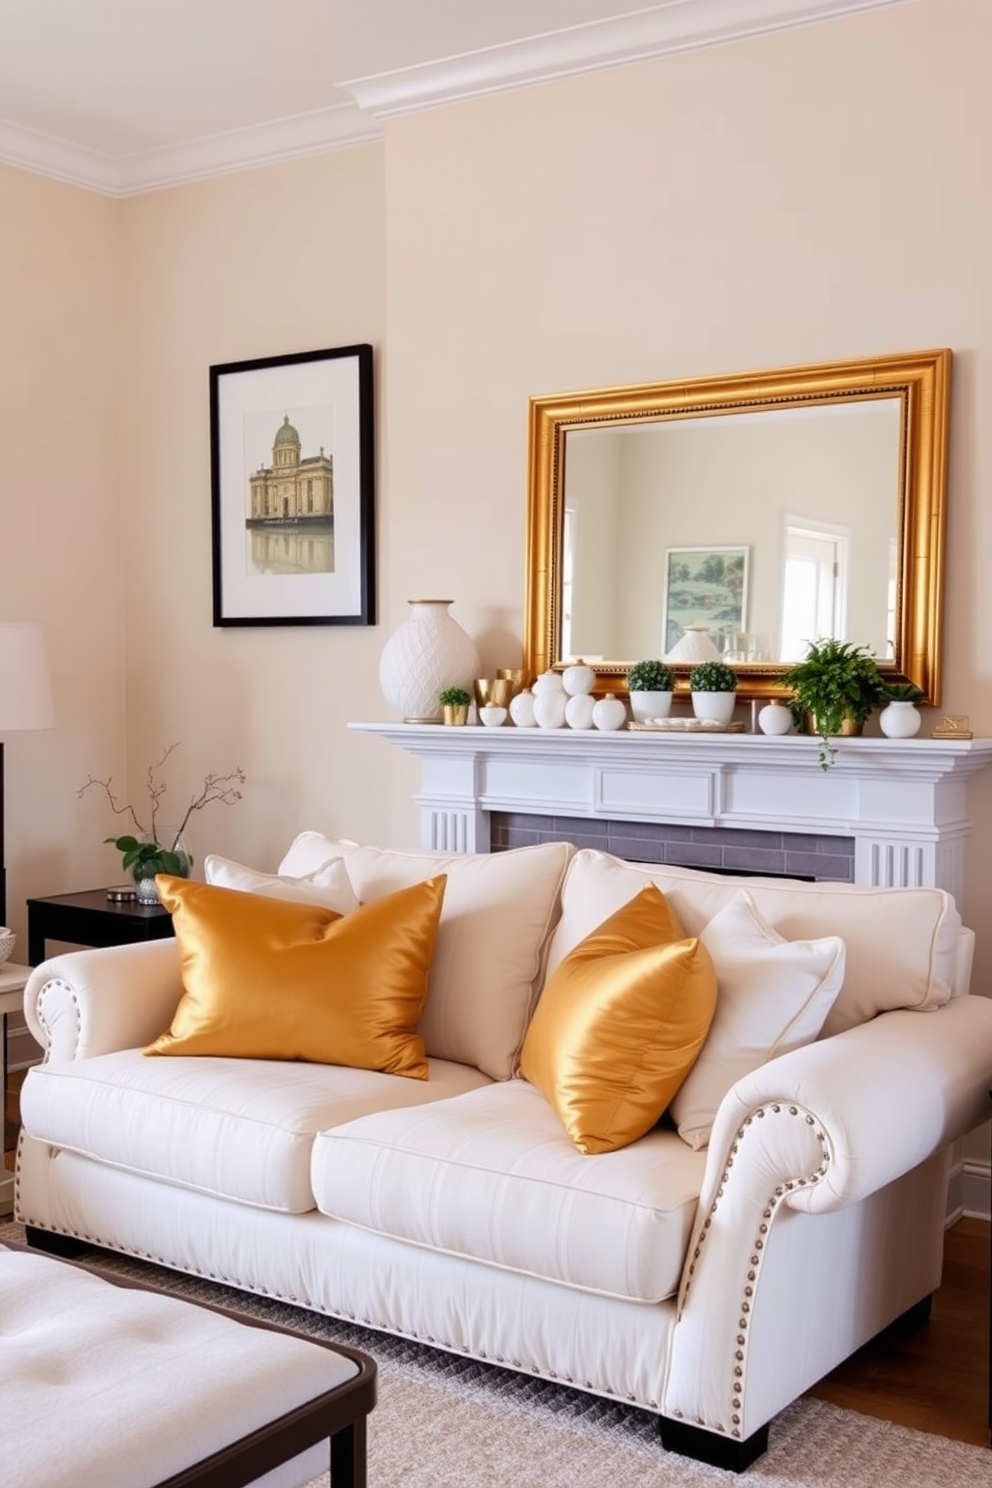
(718, 707)
(900, 720)
(646, 706)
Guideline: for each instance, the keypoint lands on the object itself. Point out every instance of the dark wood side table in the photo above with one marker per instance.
(91, 919)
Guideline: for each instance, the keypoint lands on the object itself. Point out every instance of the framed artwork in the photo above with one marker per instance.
(292, 451)
(704, 586)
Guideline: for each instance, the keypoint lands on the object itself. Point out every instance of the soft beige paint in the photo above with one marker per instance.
(254, 265)
(61, 558)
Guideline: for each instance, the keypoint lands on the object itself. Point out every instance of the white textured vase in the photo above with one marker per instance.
(428, 652)
(900, 720)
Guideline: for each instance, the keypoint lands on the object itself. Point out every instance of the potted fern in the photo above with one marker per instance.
(834, 688)
(650, 685)
(713, 685)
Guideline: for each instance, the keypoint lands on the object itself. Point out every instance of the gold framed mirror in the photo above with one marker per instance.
(763, 507)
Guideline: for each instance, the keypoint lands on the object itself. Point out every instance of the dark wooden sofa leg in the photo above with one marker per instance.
(66, 1246)
(710, 1446)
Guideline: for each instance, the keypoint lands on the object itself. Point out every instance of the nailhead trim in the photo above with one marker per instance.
(767, 1214)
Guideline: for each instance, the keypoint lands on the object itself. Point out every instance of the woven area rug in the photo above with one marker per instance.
(446, 1422)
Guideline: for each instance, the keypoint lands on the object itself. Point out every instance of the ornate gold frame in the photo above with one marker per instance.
(921, 380)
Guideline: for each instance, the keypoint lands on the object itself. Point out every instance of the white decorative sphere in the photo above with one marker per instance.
(610, 713)
(579, 710)
(428, 652)
(775, 718)
(492, 716)
(522, 709)
(578, 679)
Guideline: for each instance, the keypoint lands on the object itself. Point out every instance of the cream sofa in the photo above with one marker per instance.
(710, 1280)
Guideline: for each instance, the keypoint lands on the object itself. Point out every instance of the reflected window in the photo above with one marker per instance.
(814, 586)
(567, 580)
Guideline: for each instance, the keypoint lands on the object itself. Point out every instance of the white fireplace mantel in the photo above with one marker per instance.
(903, 801)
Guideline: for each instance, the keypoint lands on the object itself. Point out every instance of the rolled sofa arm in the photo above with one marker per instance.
(85, 1003)
(886, 1094)
(814, 1131)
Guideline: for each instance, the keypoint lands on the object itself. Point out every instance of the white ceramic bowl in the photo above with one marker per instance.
(492, 716)
(8, 940)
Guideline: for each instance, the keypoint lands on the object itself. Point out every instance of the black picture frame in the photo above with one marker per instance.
(292, 473)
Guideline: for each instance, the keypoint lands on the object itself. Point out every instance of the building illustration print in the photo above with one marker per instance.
(290, 526)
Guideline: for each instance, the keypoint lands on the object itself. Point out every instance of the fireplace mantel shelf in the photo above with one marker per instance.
(903, 800)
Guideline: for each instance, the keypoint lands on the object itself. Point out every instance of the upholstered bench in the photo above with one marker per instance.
(108, 1385)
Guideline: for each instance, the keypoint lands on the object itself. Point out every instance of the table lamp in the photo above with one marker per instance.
(25, 702)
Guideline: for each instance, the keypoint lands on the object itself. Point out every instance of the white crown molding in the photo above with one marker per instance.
(218, 155)
(672, 26)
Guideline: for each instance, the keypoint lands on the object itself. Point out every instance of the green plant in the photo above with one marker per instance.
(454, 697)
(835, 682)
(650, 676)
(149, 854)
(903, 692)
(712, 676)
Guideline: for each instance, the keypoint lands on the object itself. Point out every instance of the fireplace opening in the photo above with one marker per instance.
(812, 857)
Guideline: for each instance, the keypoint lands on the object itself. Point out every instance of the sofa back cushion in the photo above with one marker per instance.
(498, 915)
(900, 944)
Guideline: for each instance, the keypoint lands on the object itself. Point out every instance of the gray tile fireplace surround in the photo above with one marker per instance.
(715, 849)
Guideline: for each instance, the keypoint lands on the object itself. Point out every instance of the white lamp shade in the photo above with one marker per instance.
(25, 689)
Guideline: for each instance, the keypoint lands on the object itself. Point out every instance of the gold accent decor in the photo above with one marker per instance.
(920, 381)
(954, 726)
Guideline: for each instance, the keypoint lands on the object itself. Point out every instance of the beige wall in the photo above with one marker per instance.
(62, 555)
(816, 194)
(216, 273)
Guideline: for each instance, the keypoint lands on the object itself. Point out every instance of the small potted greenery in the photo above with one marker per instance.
(455, 702)
(713, 685)
(899, 719)
(650, 685)
(835, 688)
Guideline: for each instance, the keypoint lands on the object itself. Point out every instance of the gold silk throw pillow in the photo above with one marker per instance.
(620, 1023)
(275, 979)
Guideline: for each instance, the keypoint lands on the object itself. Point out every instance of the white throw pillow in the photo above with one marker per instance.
(328, 885)
(773, 995)
(497, 918)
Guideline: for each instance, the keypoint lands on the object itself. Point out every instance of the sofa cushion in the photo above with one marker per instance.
(239, 1128)
(492, 1176)
(773, 996)
(328, 885)
(619, 1024)
(498, 914)
(274, 979)
(900, 944)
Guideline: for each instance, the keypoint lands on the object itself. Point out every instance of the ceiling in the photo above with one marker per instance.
(126, 96)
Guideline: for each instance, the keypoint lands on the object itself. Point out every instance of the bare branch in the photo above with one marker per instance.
(222, 788)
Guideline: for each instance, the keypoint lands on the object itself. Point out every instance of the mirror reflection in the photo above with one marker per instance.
(768, 508)
(767, 528)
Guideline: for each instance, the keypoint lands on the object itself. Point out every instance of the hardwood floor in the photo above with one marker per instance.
(934, 1379)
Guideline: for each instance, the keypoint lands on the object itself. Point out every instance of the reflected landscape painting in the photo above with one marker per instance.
(704, 586)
